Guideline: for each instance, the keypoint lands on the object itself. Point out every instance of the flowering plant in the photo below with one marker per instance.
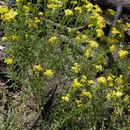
(65, 44)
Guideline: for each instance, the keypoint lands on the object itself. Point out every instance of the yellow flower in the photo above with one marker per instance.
(18, 1)
(26, 8)
(4, 38)
(86, 94)
(119, 80)
(78, 39)
(52, 40)
(110, 12)
(83, 36)
(68, 12)
(76, 83)
(14, 38)
(89, 6)
(126, 98)
(3, 9)
(40, 13)
(74, 2)
(48, 73)
(122, 53)
(119, 94)
(108, 96)
(110, 80)
(79, 103)
(76, 67)
(128, 25)
(10, 15)
(97, 9)
(65, 98)
(37, 68)
(51, 6)
(83, 79)
(94, 44)
(69, 30)
(88, 53)
(102, 80)
(37, 20)
(100, 33)
(79, 9)
(99, 68)
(8, 61)
(103, 60)
(113, 93)
(112, 48)
(90, 82)
(115, 32)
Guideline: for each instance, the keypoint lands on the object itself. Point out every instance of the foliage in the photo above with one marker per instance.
(67, 44)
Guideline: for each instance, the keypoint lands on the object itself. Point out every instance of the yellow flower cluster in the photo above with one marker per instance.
(97, 9)
(54, 4)
(37, 68)
(94, 44)
(9, 61)
(78, 9)
(7, 15)
(66, 98)
(112, 48)
(99, 68)
(80, 104)
(110, 80)
(114, 95)
(81, 38)
(122, 53)
(32, 22)
(76, 67)
(83, 79)
(14, 38)
(97, 20)
(102, 80)
(110, 12)
(86, 94)
(3, 9)
(76, 83)
(90, 82)
(68, 12)
(48, 73)
(100, 33)
(52, 40)
(74, 2)
(4, 38)
(88, 53)
(116, 32)
(119, 80)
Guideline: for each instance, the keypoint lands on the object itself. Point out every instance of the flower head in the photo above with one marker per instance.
(86, 94)
(112, 48)
(37, 68)
(122, 53)
(48, 73)
(68, 12)
(52, 40)
(76, 83)
(94, 44)
(102, 80)
(9, 61)
(76, 67)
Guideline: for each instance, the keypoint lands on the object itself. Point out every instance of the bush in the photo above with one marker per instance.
(67, 44)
